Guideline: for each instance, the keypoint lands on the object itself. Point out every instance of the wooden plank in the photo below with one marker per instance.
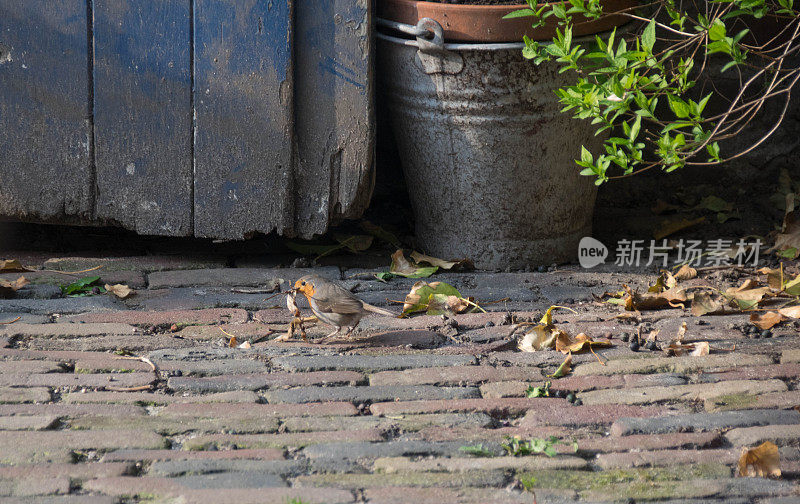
(335, 134)
(243, 105)
(143, 114)
(45, 129)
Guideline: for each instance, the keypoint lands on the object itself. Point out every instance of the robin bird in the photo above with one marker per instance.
(335, 305)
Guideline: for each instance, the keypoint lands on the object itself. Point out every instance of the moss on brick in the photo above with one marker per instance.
(731, 402)
(591, 481)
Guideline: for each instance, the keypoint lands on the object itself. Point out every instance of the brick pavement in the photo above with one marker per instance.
(382, 418)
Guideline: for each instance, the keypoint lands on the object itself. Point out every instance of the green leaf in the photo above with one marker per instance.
(82, 287)
(717, 30)
(678, 106)
(543, 391)
(519, 13)
(384, 276)
(420, 296)
(649, 36)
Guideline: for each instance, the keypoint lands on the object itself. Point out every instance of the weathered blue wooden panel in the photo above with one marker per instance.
(45, 131)
(334, 112)
(143, 114)
(243, 105)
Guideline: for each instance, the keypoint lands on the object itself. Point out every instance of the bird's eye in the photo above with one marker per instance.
(303, 283)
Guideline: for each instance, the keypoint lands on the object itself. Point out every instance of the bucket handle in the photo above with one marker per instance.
(428, 32)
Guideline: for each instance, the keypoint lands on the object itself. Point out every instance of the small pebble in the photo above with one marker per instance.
(766, 333)
(571, 397)
(542, 269)
(626, 337)
(634, 346)
(578, 402)
(559, 394)
(489, 324)
(756, 335)
(700, 322)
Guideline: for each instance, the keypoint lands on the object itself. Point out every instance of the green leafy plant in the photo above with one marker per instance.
(477, 451)
(516, 447)
(543, 391)
(650, 87)
(86, 286)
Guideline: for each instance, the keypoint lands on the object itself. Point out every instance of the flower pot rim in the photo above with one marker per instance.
(485, 23)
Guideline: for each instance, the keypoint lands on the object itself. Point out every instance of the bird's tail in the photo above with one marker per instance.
(381, 311)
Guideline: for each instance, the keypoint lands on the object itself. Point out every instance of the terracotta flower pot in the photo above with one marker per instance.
(485, 23)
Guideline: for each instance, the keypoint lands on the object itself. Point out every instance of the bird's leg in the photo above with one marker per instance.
(331, 335)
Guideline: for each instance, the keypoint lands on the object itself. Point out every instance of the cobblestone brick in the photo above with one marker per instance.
(258, 410)
(238, 396)
(534, 463)
(156, 455)
(453, 375)
(494, 407)
(790, 356)
(751, 436)
(686, 364)
(24, 395)
(285, 440)
(665, 457)
(638, 442)
(32, 367)
(119, 380)
(647, 395)
(369, 362)
(243, 277)
(28, 422)
(172, 468)
(781, 400)
(369, 394)
(565, 414)
(480, 479)
(56, 446)
(698, 422)
(178, 317)
(404, 495)
(262, 381)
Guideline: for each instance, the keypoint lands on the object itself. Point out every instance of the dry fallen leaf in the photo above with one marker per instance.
(12, 266)
(789, 237)
(673, 225)
(403, 267)
(567, 344)
(232, 342)
(705, 304)
(766, 320)
(120, 291)
(246, 344)
(459, 264)
(664, 282)
(9, 289)
(762, 461)
(791, 312)
(564, 369)
(747, 299)
(686, 272)
(538, 338)
(701, 348)
(681, 333)
(678, 348)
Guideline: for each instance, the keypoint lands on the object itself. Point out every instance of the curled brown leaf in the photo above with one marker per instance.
(763, 461)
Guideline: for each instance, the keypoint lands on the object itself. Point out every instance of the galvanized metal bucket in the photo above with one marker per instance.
(488, 157)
